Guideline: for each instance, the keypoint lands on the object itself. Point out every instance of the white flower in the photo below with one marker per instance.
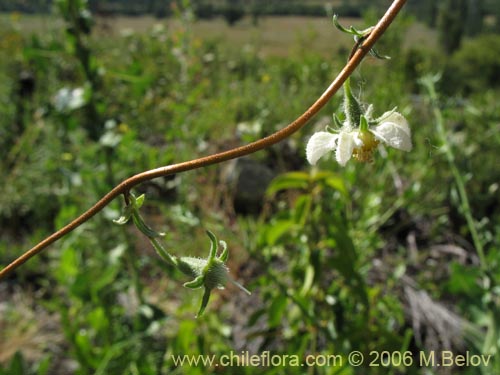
(392, 129)
(67, 100)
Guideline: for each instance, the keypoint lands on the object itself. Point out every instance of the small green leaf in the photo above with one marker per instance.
(277, 229)
(97, 319)
(43, 366)
(331, 180)
(286, 181)
(337, 121)
(464, 280)
(276, 310)
(302, 209)
(351, 30)
(127, 213)
(139, 201)
(308, 280)
(363, 123)
(17, 365)
(106, 278)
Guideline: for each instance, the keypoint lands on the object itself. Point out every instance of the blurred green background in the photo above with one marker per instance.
(398, 255)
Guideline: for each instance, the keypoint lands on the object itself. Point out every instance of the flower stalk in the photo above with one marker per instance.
(209, 273)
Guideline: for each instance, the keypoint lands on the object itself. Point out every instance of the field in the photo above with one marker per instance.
(274, 36)
(393, 258)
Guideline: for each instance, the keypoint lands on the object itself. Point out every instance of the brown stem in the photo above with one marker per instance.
(250, 148)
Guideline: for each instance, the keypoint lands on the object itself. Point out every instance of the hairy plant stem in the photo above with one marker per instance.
(124, 187)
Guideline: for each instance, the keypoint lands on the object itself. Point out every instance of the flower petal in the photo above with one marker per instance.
(394, 131)
(345, 147)
(319, 144)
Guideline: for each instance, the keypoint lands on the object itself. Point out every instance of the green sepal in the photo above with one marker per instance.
(196, 283)
(204, 302)
(213, 246)
(337, 121)
(139, 201)
(352, 108)
(134, 204)
(359, 35)
(351, 30)
(125, 217)
(363, 124)
(209, 273)
(225, 252)
(377, 55)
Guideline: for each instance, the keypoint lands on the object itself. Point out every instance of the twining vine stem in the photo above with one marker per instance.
(126, 185)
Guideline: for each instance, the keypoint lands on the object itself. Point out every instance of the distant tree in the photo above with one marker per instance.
(451, 23)
(256, 8)
(160, 8)
(233, 11)
(474, 20)
(495, 9)
(425, 10)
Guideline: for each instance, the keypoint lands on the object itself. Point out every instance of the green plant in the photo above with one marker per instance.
(367, 40)
(18, 366)
(102, 331)
(487, 291)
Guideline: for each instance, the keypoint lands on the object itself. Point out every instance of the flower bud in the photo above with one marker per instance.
(215, 274)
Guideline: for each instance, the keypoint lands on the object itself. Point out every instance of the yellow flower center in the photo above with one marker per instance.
(364, 152)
